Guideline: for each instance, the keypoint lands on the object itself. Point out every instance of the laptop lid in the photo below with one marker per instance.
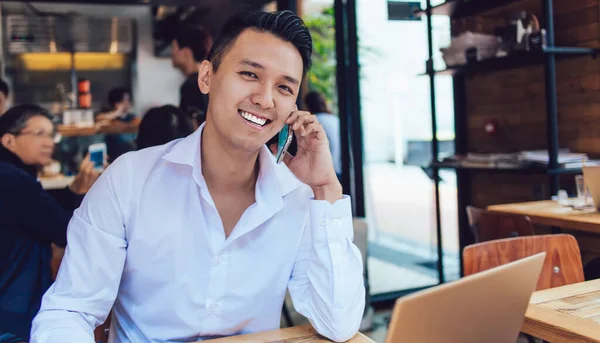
(485, 307)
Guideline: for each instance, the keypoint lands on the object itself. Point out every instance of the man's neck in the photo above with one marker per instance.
(225, 169)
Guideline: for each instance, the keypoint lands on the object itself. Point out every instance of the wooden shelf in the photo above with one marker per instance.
(465, 8)
(515, 169)
(514, 60)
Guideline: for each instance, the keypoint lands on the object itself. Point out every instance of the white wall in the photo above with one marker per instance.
(156, 82)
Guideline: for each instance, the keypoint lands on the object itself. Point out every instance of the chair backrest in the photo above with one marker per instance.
(489, 225)
(562, 265)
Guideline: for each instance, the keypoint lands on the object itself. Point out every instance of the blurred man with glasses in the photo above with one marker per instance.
(30, 219)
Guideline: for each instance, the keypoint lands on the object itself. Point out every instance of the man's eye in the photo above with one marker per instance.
(287, 89)
(248, 74)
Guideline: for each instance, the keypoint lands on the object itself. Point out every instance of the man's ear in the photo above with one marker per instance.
(205, 73)
(8, 141)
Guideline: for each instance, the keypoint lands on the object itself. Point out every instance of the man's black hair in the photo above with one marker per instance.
(116, 95)
(4, 88)
(161, 125)
(315, 102)
(15, 119)
(284, 25)
(196, 38)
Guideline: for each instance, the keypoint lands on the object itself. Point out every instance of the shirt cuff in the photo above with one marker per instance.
(331, 222)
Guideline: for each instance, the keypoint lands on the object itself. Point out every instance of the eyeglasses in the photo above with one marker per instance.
(55, 136)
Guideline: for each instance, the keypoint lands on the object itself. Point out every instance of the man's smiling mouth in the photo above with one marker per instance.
(254, 119)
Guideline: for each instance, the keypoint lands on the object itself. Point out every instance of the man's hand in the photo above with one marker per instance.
(313, 164)
(85, 178)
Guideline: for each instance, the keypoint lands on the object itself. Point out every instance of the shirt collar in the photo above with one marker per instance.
(274, 180)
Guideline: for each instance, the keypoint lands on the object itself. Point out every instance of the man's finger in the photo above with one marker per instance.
(292, 118)
(303, 119)
(86, 166)
(310, 128)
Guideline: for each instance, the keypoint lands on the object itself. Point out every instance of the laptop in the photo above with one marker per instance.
(485, 307)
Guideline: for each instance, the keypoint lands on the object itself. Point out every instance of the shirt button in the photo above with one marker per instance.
(337, 222)
(323, 222)
(215, 306)
(218, 259)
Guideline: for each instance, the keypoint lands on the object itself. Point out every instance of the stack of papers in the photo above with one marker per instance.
(564, 156)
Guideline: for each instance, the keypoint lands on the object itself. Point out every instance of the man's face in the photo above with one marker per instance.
(254, 90)
(124, 104)
(3, 103)
(178, 56)
(34, 143)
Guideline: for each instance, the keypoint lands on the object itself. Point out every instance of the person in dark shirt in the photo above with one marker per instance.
(30, 219)
(188, 50)
(119, 114)
(161, 125)
(4, 91)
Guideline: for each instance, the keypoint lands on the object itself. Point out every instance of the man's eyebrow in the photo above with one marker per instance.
(260, 66)
(252, 64)
(291, 79)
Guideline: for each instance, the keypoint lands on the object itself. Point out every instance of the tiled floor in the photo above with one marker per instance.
(401, 217)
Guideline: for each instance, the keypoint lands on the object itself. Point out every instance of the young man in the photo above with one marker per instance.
(188, 50)
(201, 237)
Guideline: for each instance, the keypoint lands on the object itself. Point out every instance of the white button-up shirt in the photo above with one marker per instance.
(148, 242)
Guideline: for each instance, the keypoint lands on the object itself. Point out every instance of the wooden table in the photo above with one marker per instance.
(114, 127)
(296, 334)
(56, 182)
(550, 213)
(565, 314)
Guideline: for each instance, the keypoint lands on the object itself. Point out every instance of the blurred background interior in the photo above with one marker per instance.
(435, 112)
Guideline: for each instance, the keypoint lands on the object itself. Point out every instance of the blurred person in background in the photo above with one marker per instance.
(119, 115)
(30, 219)
(161, 125)
(4, 92)
(316, 104)
(188, 50)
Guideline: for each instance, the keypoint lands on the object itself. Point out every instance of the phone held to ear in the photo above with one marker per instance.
(98, 155)
(283, 142)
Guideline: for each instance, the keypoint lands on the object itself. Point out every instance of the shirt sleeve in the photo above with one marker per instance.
(87, 283)
(327, 284)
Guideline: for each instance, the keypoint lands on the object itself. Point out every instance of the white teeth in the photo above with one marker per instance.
(253, 118)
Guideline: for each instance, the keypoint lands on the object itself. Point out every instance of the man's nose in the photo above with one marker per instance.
(263, 97)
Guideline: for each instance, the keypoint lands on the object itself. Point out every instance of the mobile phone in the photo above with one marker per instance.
(283, 142)
(98, 155)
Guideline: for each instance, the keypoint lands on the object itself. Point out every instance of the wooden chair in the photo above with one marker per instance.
(489, 225)
(561, 267)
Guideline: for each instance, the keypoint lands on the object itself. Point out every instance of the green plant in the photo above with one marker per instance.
(322, 75)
